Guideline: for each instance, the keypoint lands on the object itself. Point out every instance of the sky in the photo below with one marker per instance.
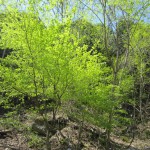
(88, 11)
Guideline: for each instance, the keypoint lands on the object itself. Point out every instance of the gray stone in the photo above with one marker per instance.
(147, 148)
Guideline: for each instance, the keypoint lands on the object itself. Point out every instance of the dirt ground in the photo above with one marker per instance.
(68, 139)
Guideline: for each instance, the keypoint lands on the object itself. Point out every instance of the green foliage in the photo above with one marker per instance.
(95, 65)
(34, 140)
(89, 34)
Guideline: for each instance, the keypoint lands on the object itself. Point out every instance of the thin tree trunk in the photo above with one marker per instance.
(3, 54)
(141, 91)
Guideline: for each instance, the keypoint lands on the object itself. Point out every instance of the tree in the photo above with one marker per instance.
(89, 34)
(140, 50)
(109, 14)
(46, 63)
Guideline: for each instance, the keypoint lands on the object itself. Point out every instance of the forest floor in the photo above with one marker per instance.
(68, 138)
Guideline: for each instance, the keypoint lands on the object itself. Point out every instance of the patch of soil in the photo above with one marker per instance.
(13, 141)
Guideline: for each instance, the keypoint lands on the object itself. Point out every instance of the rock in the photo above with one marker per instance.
(147, 148)
(53, 125)
(132, 148)
(38, 126)
(4, 134)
